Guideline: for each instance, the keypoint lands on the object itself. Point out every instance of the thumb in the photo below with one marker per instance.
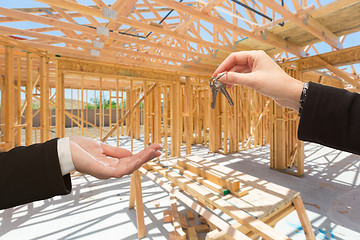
(235, 78)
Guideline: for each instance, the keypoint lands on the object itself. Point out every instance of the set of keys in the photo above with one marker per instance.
(217, 86)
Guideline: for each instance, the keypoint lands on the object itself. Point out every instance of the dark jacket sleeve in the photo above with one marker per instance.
(31, 173)
(331, 117)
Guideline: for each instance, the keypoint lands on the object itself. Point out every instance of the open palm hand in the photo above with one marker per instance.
(104, 161)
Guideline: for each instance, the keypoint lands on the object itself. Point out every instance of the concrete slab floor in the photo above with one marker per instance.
(98, 209)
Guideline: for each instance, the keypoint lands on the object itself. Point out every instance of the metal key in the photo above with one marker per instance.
(217, 86)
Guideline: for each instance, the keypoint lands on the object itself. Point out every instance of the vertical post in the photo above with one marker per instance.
(130, 124)
(44, 99)
(206, 115)
(279, 158)
(117, 112)
(197, 115)
(175, 147)
(79, 124)
(212, 129)
(139, 205)
(151, 117)
(87, 112)
(29, 90)
(9, 97)
(132, 193)
(72, 121)
(231, 129)
(189, 114)
(47, 99)
(57, 99)
(82, 105)
(215, 128)
(146, 120)
(124, 103)
(60, 103)
(225, 122)
(166, 119)
(110, 110)
(157, 114)
(18, 101)
(272, 134)
(127, 107)
(236, 118)
(101, 113)
(255, 113)
(3, 100)
(95, 111)
(300, 157)
(181, 115)
(137, 112)
(122, 111)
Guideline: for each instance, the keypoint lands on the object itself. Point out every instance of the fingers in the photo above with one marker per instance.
(232, 78)
(239, 58)
(130, 164)
(155, 146)
(115, 152)
(148, 153)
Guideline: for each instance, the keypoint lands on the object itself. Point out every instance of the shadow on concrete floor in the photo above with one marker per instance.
(98, 209)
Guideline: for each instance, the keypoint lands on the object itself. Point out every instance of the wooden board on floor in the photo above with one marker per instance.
(264, 200)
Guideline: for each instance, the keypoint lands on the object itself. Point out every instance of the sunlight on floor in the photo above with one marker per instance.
(98, 209)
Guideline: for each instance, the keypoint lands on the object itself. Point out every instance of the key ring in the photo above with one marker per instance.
(218, 77)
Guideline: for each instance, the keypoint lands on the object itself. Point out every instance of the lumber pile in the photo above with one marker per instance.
(255, 204)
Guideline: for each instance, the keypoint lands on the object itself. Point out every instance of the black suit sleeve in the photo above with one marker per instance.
(331, 117)
(31, 173)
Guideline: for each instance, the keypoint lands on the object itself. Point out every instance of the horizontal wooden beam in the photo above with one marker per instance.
(340, 73)
(6, 41)
(8, 30)
(268, 38)
(119, 70)
(203, 181)
(209, 174)
(300, 12)
(136, 24)
(91, 31)
(187, 70)
(306, 22)
(336, 58)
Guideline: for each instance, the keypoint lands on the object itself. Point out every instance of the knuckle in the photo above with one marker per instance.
(232, 55)
(261, 52)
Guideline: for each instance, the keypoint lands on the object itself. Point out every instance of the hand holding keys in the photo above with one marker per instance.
(217, 86)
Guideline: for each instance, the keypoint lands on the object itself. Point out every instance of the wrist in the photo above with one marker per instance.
(65, 156)
(75, 151)
(303, 97)
(296, 91)
(291, 94)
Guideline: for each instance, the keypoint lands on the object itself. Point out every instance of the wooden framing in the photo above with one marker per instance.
(191, 122)
(156, 70)
(29, 99)
(9, 98)
(253, 220)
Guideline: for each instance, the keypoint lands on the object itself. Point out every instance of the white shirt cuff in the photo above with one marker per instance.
(64, 154)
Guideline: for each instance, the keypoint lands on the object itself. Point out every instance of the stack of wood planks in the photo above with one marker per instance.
(256, 205)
